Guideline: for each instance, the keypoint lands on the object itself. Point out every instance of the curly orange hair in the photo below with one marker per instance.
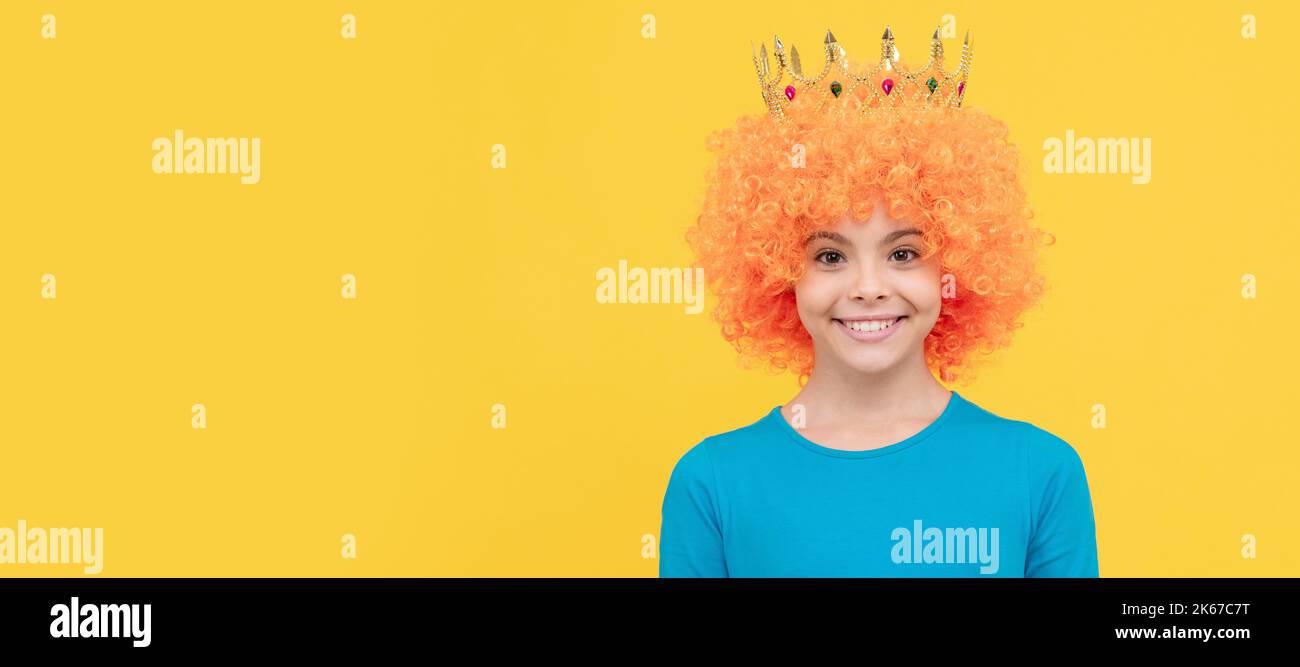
(952, 172)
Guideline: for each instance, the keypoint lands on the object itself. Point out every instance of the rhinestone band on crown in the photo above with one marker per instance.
(890, 86)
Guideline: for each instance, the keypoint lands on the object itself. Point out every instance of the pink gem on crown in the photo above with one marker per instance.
(889, 85)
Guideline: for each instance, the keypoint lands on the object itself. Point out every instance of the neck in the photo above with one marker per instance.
(835, 392)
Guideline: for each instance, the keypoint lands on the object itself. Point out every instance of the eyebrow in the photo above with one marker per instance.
(841, 239)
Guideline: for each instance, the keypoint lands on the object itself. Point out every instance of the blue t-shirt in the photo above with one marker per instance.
(971, 495)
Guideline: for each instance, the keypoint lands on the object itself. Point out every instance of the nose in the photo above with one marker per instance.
(869, 282)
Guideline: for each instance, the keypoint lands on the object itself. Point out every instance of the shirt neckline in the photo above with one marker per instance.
(778, 421)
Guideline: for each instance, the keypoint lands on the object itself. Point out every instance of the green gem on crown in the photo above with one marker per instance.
(836, 88)
(932, 84)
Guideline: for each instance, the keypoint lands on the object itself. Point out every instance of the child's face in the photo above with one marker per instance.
(869, 270)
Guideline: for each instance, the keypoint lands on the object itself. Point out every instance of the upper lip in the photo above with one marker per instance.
(868, 318)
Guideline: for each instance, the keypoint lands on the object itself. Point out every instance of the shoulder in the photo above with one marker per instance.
(724, 445)
(1039, 445)
(1053, 465)
(1047, 446)
(695, 462)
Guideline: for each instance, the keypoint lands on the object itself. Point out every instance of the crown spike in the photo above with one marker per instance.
(887, 51)
(928, 86)
(936, 48)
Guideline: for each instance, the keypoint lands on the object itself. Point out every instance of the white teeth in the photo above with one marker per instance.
(870, 325)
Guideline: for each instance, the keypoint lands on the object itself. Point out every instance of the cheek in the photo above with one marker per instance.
(925, 291)
(928, 300)
(924, 286)
(815, 295)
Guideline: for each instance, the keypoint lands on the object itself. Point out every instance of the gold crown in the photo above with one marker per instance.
(889, 86)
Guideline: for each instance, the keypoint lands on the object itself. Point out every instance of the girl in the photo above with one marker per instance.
(869, 233)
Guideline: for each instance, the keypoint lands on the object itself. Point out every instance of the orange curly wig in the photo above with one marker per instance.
(952, 172)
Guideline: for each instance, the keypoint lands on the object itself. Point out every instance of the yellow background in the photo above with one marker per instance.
(476, 285)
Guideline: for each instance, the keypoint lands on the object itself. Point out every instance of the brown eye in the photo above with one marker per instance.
(907, 250)
(821, 256)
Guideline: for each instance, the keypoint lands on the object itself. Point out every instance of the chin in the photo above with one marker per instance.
(869, 367)
(868, 361)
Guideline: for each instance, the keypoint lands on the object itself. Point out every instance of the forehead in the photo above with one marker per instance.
(879, 228)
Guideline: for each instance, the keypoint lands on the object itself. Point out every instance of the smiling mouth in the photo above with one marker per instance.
(871, 326)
